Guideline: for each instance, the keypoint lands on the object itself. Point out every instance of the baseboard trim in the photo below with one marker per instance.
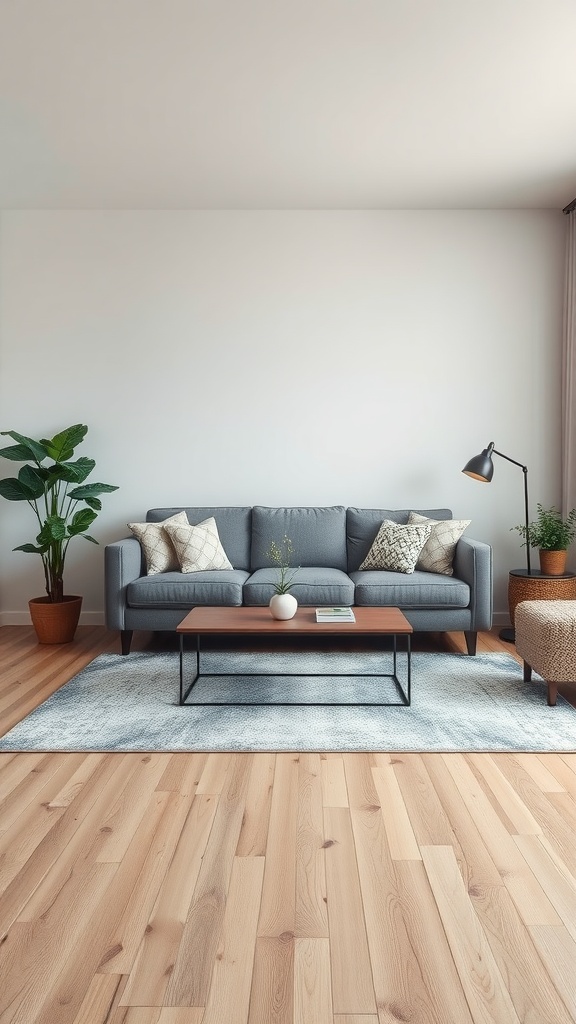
(501, 619)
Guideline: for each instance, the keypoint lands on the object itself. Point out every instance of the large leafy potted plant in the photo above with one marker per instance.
(553, 534)
(65, 507)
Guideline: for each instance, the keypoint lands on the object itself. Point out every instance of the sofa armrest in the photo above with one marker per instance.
(122, 565)
(473, 564)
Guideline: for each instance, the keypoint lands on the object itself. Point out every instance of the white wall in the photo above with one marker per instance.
(282, 357)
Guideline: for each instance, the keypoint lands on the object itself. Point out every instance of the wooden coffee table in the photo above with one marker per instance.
(379, 622)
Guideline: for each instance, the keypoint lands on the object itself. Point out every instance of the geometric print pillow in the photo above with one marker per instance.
(158, 548)
(437, 554)
(198, 547)
(396, 547)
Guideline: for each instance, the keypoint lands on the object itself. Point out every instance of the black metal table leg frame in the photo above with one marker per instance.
(405, 694)
(184, 695)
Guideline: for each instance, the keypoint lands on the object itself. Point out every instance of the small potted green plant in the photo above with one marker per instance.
(65, 507)
(552, 533)
(283, 604)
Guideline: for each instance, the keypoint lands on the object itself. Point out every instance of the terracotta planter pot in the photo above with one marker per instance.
(55, 623)
(553, 563)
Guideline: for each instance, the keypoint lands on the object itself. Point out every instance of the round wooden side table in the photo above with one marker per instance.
(535, 586)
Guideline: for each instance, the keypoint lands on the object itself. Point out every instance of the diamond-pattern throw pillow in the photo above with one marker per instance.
(396, 547)
(437, 554)
(158, 549)
(198, 547)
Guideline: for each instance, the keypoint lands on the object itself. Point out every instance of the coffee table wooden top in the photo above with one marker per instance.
(260, 620)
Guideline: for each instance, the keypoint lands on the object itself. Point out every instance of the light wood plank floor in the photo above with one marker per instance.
(279, 889)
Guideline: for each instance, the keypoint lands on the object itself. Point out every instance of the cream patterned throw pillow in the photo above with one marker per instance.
(437, 554)
(156, 544)
(396, 547)
(198, 547)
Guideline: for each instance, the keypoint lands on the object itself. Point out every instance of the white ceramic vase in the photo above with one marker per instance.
(283, 606)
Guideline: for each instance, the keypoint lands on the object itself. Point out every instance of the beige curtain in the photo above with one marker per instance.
(569, 373)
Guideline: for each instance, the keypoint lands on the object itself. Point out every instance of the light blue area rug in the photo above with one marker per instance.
(458, 703)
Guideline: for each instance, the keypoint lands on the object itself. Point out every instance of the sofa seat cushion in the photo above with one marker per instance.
(184, 590)
(417, 590)
(312, 586)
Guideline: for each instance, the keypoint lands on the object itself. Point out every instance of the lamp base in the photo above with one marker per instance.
(509, 635)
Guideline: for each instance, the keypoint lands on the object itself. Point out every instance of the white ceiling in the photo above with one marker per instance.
(287, 103)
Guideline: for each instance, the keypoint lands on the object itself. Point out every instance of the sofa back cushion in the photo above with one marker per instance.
(362, 525)
(233, 523)
(318, 535)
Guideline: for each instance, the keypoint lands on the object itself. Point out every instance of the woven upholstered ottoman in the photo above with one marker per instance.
(546, 640)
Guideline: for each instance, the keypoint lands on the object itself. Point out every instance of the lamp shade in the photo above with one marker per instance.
(480, 467)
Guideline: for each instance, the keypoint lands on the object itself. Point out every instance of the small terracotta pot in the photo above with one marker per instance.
(55, 622)
(553, 563)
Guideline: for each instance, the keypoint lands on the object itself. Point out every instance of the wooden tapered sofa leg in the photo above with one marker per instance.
(527, 672)
(126, 640)
(471, 638)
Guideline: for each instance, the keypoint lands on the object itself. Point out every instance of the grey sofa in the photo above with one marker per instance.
(329, 543)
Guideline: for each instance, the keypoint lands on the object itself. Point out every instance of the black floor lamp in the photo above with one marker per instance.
(481, 468)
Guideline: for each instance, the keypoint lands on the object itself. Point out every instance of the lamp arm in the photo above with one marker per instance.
(508, 459)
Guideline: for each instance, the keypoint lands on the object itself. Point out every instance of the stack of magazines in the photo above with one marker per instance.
(335, 615)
